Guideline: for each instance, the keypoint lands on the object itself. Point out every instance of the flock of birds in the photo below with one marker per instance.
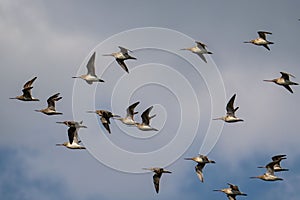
(105, 115)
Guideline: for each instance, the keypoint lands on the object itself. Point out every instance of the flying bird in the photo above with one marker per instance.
(232, 191)
(277, 167)
(157, 175)
(261, 40)
(121, 56)
(284, 81)
(91, 76)
(199, 49)
(230, 116)
(26, 96)
(145, 125)
(73, 124)
(269, 174)
(201, 161)
(50, 110)
(128, 120)
(105, 116)
(73, 142)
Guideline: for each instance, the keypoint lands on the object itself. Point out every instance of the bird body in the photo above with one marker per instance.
(50, 110)
(26, 96)
(105, 116)
(284, 81)
(269, 174)
(261, 40)
(157, 175)
(129, 119)
(277, 167)
(91, 76)
(230, 116)
(199, 49)
(73, 124)
(73, 142)
(121, 56)
(201, 161)
(232, 191)
(145, 125)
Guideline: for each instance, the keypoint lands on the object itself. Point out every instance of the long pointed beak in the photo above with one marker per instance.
(12, 98)
(166, 171)
(268, 80)
(219, 118)
(254, 177)
(60, 122)
(247, 42)
(91, 111)
(107, 55)
(188, 158)
(37, 110)
(217, 190)
(59, 144)
(184, 49)
(75, 77)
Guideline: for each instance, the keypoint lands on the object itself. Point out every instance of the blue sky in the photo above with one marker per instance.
(53, 41)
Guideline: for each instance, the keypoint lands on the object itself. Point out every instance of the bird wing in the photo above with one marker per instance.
(270, 167)
(27, 92)
(156, 178)
(51, 100)
(29, 83)
(233, 187)
(200, 45)
(262, 34)
(266, 46)
(231, 197)
(202, 57)
(145, 116)
(27, 88)
(204, 158)
(123, 50)
(122, 64)
(91, 65)
(130, 109)
(278, 157)
(198, 169)
(72, 134)
(229, 108)
(288, 88)
(105, 122)
(286, 76)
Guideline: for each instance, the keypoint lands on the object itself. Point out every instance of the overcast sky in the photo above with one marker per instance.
(53, 40)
